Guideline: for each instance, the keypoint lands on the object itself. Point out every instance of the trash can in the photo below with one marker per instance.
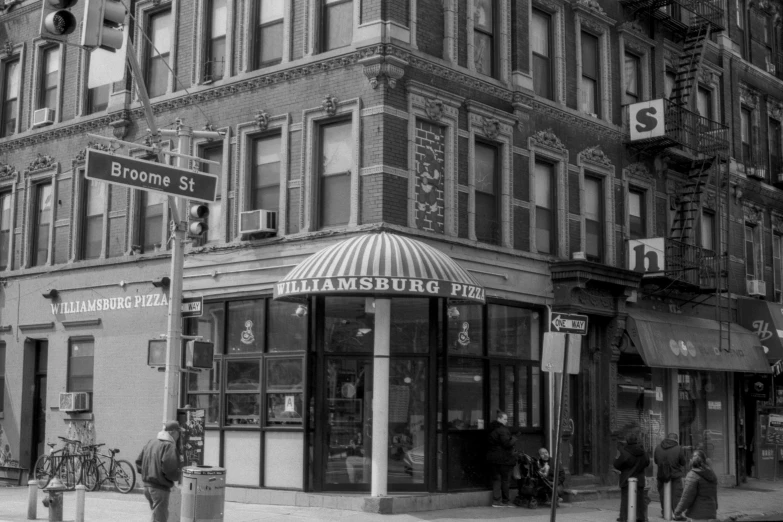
(203, 494)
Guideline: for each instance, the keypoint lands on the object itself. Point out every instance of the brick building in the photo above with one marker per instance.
(495, 132)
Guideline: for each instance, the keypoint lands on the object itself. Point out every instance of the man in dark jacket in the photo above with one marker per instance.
(501, 459)
(631, 463)
(158, 464)
(670, 460)
(699, 499)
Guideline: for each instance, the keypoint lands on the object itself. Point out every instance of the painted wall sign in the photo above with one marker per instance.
(646, 120)
(647, 255)
(375, 285)
(110, 304)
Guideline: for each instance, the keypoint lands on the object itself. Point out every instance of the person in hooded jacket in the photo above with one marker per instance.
(159, 466)
(631, 463)
(501, 458)
(671, 461)
(699, 499)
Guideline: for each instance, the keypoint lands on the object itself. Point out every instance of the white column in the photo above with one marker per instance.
(380, 399)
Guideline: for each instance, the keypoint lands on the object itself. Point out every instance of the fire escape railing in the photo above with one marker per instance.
(691, 264)
(693, 131)
(669, 11)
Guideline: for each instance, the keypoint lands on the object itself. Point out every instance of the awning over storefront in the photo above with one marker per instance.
(677, 341)
(765, 319)
(380, 265)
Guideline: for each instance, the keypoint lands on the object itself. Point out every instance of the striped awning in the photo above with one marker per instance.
(381, 265)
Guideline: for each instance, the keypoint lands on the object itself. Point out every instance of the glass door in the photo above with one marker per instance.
(348, 440)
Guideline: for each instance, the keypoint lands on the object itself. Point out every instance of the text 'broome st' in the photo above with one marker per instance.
(150, 176)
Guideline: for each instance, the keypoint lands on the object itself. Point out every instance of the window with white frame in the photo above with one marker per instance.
(98, 98)
(49, 78)
(265, 175)
(158, 52)
(484, 22)
(487, 193)
(541, 44)
(637, 213)
(94, 202)
(753, 260)
(42, 216)
(669, 79)
(153, 208)
(335, 165)
(590, 94)
(546, 213)
(336, 24)
(81, 365)
(269, 33)
(777, 266)
(10, 97)
(594, 218)
(5, 229)
(215, 45)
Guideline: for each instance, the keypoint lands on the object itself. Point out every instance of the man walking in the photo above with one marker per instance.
(158, 464)
(501, 458)
(671, 462)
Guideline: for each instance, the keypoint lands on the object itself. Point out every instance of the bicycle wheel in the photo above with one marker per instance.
(123, 476)
(43, 471)
(90, 475)
(67, 472)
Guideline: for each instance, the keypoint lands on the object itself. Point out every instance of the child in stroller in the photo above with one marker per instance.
(534, 487)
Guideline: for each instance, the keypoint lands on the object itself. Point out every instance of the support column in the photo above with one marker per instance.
(380, 399)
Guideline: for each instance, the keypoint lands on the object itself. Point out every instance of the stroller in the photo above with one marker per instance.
(534, 487)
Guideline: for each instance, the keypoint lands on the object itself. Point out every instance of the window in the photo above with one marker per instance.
(545, 208)
(768, 35)
(2, 376)
(284, 390)
(633, 79)
(775, 167)
(215, 57)
(669, 80)
(214, 219)
(5, 229)
(486, 194)
(265, 179)
(81, 354)
(153, 207)
(541, 43)
(43, 219)
(92, 231)
(708, 230)
(337, 23)
(269, 33)
(637, 214)
(98, 98)
(158, 51)
(49, 78)
(590, 95)
(334, 173)
(704, 102)
(777, 266)
(594, 212)
(746, 134)
(484, 36)
(753, 252)
(10, 106)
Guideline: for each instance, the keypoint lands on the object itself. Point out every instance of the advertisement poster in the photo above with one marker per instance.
(774, 429)
(192, 437)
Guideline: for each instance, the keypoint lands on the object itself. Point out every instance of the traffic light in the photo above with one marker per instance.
(198, 224)
(102, 19)
(57, 21)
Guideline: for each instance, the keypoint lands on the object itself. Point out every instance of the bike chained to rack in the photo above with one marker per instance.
(78, 463)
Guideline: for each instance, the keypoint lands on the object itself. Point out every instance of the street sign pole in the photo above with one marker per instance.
(559, 423)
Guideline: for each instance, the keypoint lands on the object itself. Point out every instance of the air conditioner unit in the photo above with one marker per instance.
(770, 68)
(257, 221)
(757, 288)
(755, 172)
(43, 117)
(74, 401)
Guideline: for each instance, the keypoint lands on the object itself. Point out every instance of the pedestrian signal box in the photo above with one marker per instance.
(198, 355)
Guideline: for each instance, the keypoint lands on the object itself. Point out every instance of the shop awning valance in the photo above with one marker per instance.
(381, 265)
(765, 319)
(678, 341)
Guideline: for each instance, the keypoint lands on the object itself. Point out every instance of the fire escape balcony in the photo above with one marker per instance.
(684, 267)
(678, 15)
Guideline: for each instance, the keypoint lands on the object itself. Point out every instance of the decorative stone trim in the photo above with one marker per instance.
(752, 214)
(13, 52)
(384, 109)
(547, 138)
(596, 156)
(380, 66)
(39, 46)
(383, 169)
(749, 96)
(638, 171)
(82, 154)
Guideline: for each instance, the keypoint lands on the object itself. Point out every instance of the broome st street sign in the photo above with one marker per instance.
(150, 176)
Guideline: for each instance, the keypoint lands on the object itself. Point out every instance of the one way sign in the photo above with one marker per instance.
(569, 323)
(192, 306)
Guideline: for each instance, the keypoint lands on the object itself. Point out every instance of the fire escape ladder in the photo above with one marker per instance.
(689, 62)
(689, 200)
(723, 275)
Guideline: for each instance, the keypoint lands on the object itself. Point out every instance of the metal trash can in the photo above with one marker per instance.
(203, 494)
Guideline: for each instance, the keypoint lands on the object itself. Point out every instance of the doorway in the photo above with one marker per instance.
(39, 354)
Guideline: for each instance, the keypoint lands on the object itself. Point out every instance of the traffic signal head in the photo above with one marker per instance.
(57, 22)
(102, 19)
(198, 214)
(198, 354)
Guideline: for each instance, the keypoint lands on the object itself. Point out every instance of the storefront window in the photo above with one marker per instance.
(466, 394)
(513, 332)
(466, 330)
(286, 331)
(285, 387)
(243, 395)
(407, 413)
(641, 405)
(410, 326)
(245, 326)
(348, 324)
(210, 325)
(703, 413)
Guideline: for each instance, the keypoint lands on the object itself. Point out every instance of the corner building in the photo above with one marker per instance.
(494, 132)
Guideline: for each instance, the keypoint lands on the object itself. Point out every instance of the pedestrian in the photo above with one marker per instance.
(545, 469)
(699, 499)
(671, 461)
(631, 462)
(159, 466)
(501, 459)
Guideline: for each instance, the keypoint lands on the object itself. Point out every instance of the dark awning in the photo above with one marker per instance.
(766, 320)
(677, 341)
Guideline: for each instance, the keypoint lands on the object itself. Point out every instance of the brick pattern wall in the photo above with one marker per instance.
(395, 191)
(462, 173)
(397, 11)
(430, 158)
(574, 236)
(462, 214)
(521, 178)
(661, 221)
(522, 229)
(294, 201)
(429, 35)
(573, 193)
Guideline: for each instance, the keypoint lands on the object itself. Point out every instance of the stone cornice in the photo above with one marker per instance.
(584, 271)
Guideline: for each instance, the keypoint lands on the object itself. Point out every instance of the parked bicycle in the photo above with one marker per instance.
(99, 468)
(65, 463)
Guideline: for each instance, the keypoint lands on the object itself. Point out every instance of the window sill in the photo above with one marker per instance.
(86, 416)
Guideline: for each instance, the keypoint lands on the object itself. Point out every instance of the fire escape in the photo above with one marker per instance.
(698, 148)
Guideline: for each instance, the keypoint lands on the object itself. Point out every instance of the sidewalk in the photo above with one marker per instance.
(756, 498)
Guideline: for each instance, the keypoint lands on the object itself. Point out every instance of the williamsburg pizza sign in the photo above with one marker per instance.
(379, 286)
(110, 304)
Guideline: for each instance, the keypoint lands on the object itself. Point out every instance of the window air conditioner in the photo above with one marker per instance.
(770, 68)
(257, 221)
(757, 288)
(43, 117)
(74, 401)
(756, 172)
